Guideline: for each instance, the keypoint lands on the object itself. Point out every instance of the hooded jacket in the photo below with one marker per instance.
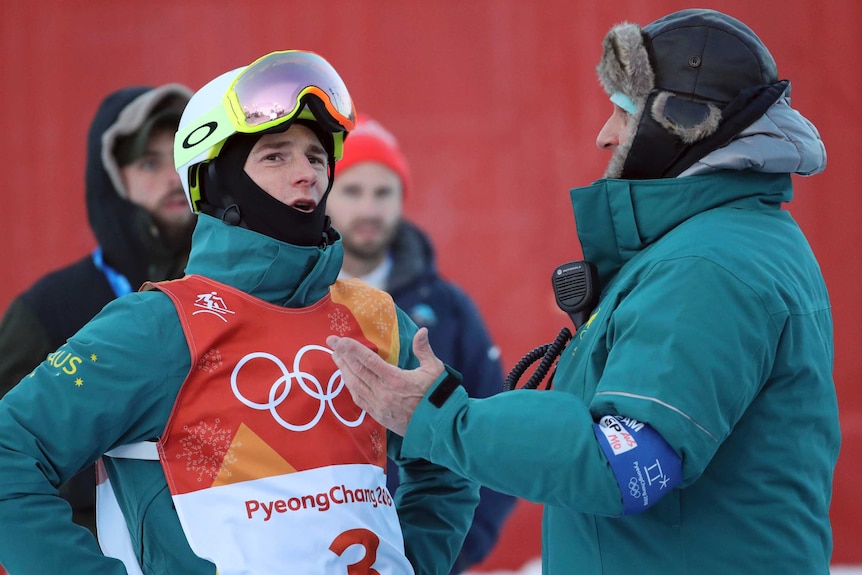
(714, 327)
(40, 319)
(133, 359)
(459, 338)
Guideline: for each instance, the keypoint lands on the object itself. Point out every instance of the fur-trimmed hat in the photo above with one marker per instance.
(691, 81)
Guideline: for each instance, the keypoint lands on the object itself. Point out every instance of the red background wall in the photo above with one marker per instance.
(497, 106)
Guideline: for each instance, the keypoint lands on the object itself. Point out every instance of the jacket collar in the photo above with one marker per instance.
(274, 271)
(617, 219)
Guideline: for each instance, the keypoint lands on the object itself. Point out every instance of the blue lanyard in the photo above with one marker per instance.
(118, 281)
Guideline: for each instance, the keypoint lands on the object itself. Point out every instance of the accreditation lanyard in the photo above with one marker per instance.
(118, 281)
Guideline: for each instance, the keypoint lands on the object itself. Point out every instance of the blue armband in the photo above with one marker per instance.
(644, 464)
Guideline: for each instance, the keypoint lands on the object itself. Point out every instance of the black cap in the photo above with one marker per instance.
(129, 148)
(707, 55)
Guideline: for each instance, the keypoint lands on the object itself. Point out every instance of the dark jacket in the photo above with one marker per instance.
(40, 319)
(460, 339)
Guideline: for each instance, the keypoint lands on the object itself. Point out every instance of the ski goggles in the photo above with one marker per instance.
(272, 89)
(269, 92)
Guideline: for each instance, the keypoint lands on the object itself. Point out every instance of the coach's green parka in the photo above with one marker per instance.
(714, 327)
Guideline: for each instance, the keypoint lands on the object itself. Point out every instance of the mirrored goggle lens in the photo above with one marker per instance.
(272, 88)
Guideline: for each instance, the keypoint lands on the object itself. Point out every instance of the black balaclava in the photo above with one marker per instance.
(232, 196)
(697, 78)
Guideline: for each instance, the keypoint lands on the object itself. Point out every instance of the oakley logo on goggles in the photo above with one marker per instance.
(268, 92)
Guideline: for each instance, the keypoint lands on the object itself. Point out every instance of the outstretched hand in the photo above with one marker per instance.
(390, 394)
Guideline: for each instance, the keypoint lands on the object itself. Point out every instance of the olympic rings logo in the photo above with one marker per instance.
(634, 487)
(282, 386)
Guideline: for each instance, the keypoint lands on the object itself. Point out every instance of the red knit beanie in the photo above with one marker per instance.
(371, 142)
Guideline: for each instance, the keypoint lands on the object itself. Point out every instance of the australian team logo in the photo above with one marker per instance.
(298, 385)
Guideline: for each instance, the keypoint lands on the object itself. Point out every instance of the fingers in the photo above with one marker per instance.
(355, 385)
(361, 369)
(388, 393)
(421, 345)
(360, 360)
(424, 353)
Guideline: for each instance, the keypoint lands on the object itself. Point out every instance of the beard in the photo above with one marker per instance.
(368, 249)
(174, 225)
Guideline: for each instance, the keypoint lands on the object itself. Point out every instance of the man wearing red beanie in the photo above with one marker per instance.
(390, 253)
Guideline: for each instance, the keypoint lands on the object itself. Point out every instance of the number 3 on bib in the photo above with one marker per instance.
(363, 537)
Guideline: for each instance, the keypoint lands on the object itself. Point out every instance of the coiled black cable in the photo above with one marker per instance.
(522, 365)
(548, 352)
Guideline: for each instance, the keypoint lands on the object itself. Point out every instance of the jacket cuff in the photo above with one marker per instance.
(443, 388)
(441, 402)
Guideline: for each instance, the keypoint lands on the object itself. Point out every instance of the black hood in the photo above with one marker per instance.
(412, 257)
(126, 233)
